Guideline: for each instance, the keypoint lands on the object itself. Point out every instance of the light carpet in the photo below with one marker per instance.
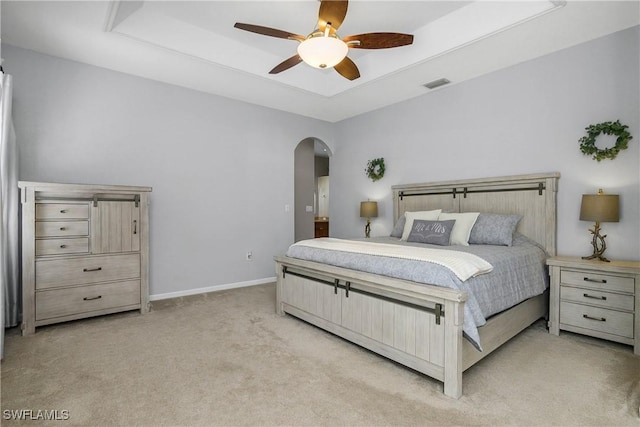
(226, 358)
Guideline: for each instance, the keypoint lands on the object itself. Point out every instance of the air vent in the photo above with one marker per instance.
(436, 83)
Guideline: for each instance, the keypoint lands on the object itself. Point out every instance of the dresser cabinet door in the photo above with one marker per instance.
(115, 227)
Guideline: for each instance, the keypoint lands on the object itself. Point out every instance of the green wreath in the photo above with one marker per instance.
(588, 142)
(375, 169)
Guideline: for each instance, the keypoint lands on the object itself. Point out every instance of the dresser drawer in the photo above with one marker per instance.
(604, 282)
(77, 245)
(62, 228)
(62, 210)
(84, 299)
(597, 319)
(599, 298)
(51, 273)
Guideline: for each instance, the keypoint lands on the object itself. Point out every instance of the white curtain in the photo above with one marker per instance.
(9, 199)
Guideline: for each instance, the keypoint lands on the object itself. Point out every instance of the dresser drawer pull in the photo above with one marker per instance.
(92, 298)
(599, 319)
(64, 211)
(91, 269)
(587, 279)
(63, 228)
(63, 246)
(594, 297)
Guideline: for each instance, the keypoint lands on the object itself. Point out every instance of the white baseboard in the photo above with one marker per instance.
(215, 288)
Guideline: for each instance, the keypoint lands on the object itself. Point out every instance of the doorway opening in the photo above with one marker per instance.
(311, 189)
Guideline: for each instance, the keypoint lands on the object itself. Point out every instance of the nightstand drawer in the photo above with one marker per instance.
(599, 298)
(62, 228)
(62, 210)
(84, 299)
(605, 282)
(597, 319)
(77, 245)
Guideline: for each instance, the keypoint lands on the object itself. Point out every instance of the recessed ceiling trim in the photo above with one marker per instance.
(154, 24)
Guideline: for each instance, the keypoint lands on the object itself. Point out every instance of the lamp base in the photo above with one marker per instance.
(598, 243)
(594, 256)
(367, 229)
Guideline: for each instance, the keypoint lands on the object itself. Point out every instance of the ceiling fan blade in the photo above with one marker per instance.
(378, 40)
(348, 69)
(266, 31)
(333, 12)
(286, 64)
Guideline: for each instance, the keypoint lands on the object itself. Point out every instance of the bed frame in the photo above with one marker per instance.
(420, 326)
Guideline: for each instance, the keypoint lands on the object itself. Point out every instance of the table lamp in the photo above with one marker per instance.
(368, 210)
(599, 208)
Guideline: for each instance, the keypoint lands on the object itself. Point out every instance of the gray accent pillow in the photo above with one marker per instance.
(399, 227)
(432, 232)
(494, 229)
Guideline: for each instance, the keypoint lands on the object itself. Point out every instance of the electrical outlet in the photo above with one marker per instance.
(249, 256)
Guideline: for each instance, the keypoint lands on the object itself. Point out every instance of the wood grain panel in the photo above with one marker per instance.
(597, 298)
(61, 228)
(83, 299)
(62, 246)
(115, 227)
(56, 272)
(62, 211)
(603, 282)
(599, 319)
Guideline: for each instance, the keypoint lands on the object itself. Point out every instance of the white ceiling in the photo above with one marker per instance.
(193, 43)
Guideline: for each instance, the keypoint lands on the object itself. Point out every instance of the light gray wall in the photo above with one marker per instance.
(221, 170)
(524, 119)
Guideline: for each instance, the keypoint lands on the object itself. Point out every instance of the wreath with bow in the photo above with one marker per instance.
(588, 142)
(375, 169)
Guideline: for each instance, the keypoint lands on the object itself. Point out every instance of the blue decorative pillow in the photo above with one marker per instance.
(399, 227)
(494, 229)
(432, 232)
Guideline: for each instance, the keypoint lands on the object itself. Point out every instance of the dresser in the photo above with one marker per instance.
(85, 251)
(595, 298)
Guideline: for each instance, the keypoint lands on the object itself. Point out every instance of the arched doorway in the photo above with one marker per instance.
(311, 189)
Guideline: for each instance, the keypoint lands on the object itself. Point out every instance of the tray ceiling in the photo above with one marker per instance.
(193, 44)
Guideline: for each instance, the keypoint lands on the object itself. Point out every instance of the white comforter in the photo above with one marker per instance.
(464, 265)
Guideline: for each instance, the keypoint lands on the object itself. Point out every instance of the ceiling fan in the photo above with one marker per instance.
(323, 48)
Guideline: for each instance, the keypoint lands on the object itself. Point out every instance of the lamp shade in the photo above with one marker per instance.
(368, 209)
(600, 207)
(322, 52)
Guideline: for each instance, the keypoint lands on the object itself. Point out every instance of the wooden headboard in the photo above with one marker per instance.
(532, 196)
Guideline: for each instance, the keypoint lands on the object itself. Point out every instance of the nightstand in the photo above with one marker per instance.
(595, 298)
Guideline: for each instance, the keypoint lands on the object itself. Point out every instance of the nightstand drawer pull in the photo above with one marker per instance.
(602, 298)
(599, 319)
(587, 279)
(63, 246)
(63, 228)
(92, 298)
(92, 269)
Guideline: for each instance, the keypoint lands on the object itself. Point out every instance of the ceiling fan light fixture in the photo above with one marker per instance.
(322, 51)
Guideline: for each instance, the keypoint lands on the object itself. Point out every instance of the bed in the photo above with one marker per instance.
(421, 325)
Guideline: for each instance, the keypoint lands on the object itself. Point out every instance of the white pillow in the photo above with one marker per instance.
(462, 228)
(410, 216)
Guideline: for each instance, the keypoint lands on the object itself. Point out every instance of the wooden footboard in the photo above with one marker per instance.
(419, 326)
